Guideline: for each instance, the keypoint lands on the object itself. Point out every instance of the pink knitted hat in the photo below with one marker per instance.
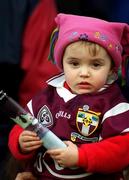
(114, 37)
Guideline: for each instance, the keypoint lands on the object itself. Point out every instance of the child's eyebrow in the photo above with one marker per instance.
(72, 58)
(98, 59)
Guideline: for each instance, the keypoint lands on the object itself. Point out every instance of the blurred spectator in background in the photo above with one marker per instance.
(35, 49)
(25, 32)
(13, 17)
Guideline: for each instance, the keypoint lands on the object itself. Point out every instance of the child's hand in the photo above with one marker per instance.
(65, 157)
(25, 176)
(29, 141)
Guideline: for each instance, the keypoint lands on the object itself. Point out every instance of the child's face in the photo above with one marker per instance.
(85, 73)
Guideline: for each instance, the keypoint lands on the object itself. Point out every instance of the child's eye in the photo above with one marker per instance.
(96, 64)
(75, 64)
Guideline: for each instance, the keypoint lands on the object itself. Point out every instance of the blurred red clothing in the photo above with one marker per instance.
(36, 39)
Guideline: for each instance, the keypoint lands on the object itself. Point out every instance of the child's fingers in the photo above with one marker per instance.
(54, 152)
(28, 133)
(32, 143)
(29, 138)
(31, 148)
(26, 147)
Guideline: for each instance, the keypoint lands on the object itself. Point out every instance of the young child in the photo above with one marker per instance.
(83, 105)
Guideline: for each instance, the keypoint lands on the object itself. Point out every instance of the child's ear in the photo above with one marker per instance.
(112, 76)
(111, 71)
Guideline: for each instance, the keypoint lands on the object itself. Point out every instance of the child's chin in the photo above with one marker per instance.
(84, 91)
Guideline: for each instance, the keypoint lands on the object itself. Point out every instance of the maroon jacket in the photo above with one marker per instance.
(95, 122)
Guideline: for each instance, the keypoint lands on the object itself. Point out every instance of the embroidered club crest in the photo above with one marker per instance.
(87, 121)
(45, 116)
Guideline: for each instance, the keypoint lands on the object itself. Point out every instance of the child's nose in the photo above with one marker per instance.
(84, 72)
